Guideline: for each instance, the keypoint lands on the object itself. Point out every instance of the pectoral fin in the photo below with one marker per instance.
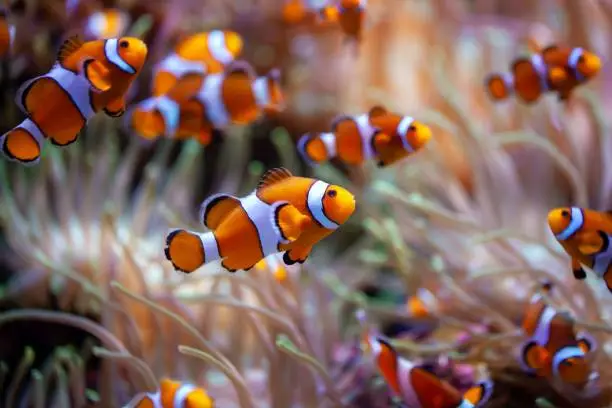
(115, 108)
(96, 74)
(289, 222)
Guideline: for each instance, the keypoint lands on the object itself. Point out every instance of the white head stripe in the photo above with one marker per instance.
(261, 215)
(181, 395)
(465, 404)
(366, 132)
(402, 130)
(111, 52)
(210, 96)
(260, 89)
(540, 67)
(577, 220)
(542, 331)
(217, 47)
(315, 204)
(564, 354)
(573, 61)
(178, 66)
(77, 87)
(153, 397)
(211, 248)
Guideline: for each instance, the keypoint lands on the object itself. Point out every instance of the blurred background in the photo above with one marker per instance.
(465, 218)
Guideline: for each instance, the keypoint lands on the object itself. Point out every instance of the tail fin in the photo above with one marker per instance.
(188, 250)
(316, 148)
(480, 393)
(23, 143)
(500, 86)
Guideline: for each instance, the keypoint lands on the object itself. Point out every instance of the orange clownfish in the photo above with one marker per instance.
(421, 305)
(285, 213)
(351, 16)
(109, 23)
(173, 394)
(553, 350)
(88, 77)
(585, 235)
(296, 11)
(236, 96)
(202, 53)
(554, 69)
(274, 264)
(417, 387)
(162, 115)
(378, 135)
(7, 33)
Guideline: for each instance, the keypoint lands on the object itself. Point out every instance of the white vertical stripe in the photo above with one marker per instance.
(366, 132)
(602, 260)
(211, 97)
(261, 92)
(573, 61)
(329, 140)
(402, 130)
(542, 332)
(111, 52)
(217, 47)
(576, 222)
(260, 214)
(181, 394)
(316, 193)
(179, 67)
(211, 248)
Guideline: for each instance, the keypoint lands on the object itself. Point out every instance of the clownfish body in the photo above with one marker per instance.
(162, 115)
(284, 214)
(377, 135)
(88, 77)
(585, 236)
(422, 304)
(275, 265)
(554, 69)
(296, 11)
(109, 23)
(351, 17)
(236, 97)
(417, 387)
(173, 394)
(552, 349)
(7, 34)
(202, 53)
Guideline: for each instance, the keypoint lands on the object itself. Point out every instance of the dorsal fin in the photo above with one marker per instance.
(273, 176)
(377, 110)
(69, 47)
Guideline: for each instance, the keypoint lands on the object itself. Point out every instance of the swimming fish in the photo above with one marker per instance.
(173, 394)
(351, 17)
(552, 349)
(108, 23)
(585, 236)
(7, 33)
(162, 116)
(87, 78)
(274, 264)
(296, 11)
(201, 53)
(554, 69)
(422, 304)
(284, 213)
(404, 135)
(417, 387)
(235, 97)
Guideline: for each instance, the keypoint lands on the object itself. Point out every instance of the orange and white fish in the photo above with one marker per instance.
(7, 33)
(202, 53)
(285, 213)
(554, 69)
(351, 16)
(173, 394)
(274, 263)
(585, 236)
(235, 97)
(162, 115)
(296, 11)
(108, 23)
(106, 67)
(552, 349)
(417, 387)
(422, 304)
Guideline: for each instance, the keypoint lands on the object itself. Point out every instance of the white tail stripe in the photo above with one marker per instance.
(112, 54)
(179, 67)
(218, 49)
(329, 140)
(211, 97)
(211, 248)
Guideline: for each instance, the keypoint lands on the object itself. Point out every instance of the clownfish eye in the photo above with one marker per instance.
(567, 363)
(412, 128)
(332, 193)
(565, 213)
(124, 44)
(581, 59)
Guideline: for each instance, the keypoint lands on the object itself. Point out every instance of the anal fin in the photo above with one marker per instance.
(215, 208)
